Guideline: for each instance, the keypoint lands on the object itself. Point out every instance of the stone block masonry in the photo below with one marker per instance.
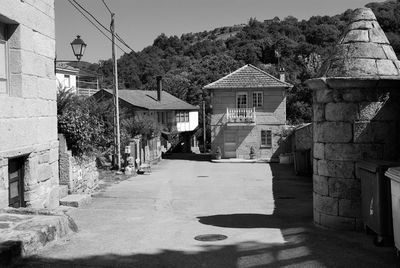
(356, 106)
(340, 141)
(80, 175)
(28, 109)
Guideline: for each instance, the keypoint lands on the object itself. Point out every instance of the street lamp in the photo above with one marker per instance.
(78, 47)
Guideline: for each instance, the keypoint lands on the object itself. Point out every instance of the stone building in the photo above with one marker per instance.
(28, 109)
(356, 116)
(248, 110)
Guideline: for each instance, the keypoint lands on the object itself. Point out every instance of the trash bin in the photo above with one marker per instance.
(394, 175)
(375, 199)
(302, 162)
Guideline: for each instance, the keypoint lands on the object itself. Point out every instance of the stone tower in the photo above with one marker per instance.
(355, 103)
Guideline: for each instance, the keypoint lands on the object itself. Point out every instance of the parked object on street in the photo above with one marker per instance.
(145, 167)
(286, 158)
(375, 199)
(394, 175)
(252, 153)
(218, 153)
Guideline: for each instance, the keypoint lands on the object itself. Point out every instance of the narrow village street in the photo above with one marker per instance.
(151, 220)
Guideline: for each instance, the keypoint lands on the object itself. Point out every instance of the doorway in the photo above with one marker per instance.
(16, 182)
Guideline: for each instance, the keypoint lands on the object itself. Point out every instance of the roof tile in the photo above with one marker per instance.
(247, 76)
(147, 99)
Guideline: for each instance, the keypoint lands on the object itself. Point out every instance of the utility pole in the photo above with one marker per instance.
(117, 147)
(204, 127)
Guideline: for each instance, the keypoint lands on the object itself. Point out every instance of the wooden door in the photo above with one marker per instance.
(230, 144)
(16, 182)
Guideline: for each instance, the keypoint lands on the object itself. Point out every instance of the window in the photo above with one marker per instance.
(182, 116)
(159, 117)
(257, 99)
(67, 81)
(164, 117)
(3, 60)
(266, 138)
(241, 100)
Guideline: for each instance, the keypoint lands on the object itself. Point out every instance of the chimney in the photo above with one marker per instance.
(282, 74)
(159, 87)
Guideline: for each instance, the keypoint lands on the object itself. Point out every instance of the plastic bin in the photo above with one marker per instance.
(394, 175)
(302, 162)
(375, 199)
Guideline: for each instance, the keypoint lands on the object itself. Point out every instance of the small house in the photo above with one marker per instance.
(248, 110)
(173, 115)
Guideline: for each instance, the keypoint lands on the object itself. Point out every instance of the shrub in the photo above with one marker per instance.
(83, 128)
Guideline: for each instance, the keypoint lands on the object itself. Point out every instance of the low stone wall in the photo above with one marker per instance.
(79, 174)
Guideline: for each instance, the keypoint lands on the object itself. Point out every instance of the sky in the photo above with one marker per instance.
(139, 22)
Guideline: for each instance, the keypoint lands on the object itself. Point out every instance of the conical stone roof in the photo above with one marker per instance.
(363, 51)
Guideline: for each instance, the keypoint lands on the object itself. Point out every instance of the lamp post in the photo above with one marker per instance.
(78, 47)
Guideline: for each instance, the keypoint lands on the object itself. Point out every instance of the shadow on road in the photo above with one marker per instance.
(188, 156)
(305, 245)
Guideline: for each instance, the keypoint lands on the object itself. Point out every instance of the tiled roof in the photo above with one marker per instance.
(61, 66)
(147, 99)
(248, 76)
(363, 50)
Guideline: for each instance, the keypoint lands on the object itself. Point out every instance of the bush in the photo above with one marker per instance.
(88, 125)
(84, 129)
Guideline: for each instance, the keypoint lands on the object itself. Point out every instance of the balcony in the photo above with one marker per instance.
(241, 116)
(87, 92)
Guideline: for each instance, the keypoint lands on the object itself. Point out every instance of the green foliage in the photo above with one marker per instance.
(193, 60)
(134, 127)
(88, 124)
(77, 120)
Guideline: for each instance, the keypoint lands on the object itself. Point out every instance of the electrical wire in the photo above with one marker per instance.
(104, 27)
(109, 10)
(77, 8)
(123, 42)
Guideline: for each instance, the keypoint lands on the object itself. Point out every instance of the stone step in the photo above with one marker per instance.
(63, 191)
(25, 231)
(75, 200)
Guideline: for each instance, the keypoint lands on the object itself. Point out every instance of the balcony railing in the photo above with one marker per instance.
(241, 115)
(86, 91)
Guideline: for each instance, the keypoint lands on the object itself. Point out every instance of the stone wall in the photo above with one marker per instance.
(79, 174)
(350, 125)
(356, 110)
(28, 109)
(303, 138)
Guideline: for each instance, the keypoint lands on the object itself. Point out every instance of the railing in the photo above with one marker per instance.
(241, 115)
(86, 91)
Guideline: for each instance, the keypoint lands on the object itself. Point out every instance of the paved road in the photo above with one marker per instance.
(151, 221)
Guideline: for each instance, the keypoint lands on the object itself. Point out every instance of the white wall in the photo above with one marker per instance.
(193, 120)
(62, 81)
(191, 125)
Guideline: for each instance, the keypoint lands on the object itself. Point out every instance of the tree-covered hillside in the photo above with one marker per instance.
(193, 60)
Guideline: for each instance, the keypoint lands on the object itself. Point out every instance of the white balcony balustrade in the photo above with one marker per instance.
(241, 115)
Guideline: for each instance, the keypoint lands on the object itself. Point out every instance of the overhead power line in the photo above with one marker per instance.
(116, 34)
(109, 10)
(97, 27)
(99, 23)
